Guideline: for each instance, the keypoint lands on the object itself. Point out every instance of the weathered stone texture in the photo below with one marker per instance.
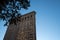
(24, 30)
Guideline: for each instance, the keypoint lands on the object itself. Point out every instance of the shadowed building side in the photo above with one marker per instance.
(24, 30)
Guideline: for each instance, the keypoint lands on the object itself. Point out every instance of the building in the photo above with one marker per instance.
(24, 30)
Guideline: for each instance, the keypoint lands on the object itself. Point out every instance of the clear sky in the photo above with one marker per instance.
(47, 19)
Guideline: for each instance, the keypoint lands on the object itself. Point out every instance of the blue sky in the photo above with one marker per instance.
(47, 19)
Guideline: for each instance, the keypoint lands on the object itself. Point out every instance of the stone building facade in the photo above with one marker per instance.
(24, 30)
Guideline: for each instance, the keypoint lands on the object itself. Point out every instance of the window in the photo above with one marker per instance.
(25, 18)
(30, 35)
(31, 15)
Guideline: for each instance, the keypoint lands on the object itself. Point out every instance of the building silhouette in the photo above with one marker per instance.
(24, 30)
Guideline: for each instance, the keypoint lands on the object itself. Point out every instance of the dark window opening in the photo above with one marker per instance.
(31, 15)
(25, 18)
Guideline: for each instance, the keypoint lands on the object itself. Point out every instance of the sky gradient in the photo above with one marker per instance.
(47, 19)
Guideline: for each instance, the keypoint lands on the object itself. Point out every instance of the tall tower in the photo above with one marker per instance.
(24, 30)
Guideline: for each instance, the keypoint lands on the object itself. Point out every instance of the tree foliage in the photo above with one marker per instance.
(9, 10)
